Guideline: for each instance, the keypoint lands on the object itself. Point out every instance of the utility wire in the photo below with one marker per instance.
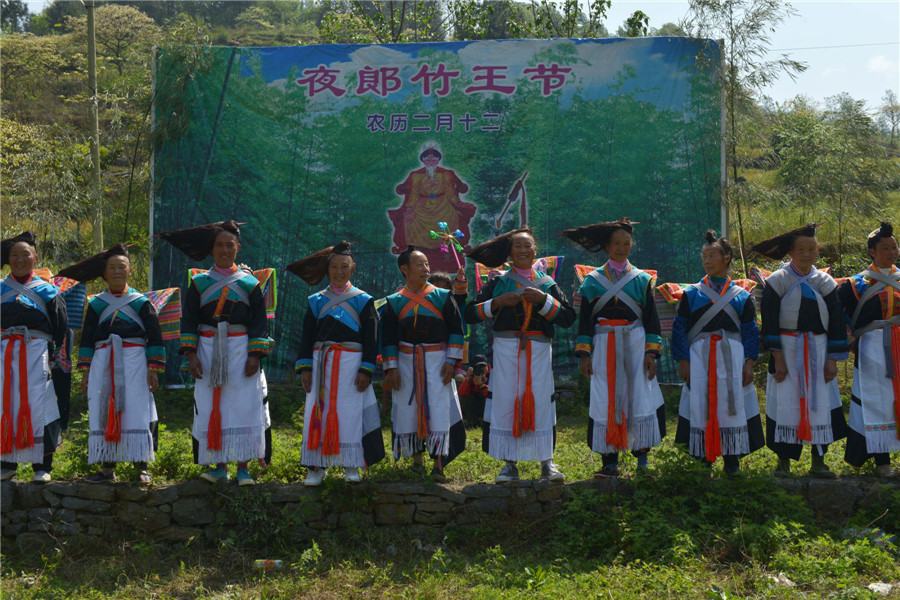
(827, 47)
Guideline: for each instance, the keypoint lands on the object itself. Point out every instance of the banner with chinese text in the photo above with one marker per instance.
(378, 144)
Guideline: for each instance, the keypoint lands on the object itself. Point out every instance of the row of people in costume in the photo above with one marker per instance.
(714, 332)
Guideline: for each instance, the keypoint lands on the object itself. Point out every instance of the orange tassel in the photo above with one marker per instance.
(332, 443)
(7, 432)
(713, 439)
(24, 435)
(421, 408)
(315, 427)
(803, 431)
(527, 412)
(517, 418)
(895, 382)
(214, 435)
(113, 423)
(616, 434)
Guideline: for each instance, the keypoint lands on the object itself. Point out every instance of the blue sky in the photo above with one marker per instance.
(849, 46)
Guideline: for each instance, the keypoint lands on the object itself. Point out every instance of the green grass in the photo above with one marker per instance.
(685, 533)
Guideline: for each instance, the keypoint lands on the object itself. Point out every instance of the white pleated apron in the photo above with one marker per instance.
(508, 382)
(139, 410)
(874, 417)
(245, 417)
(646, 397)
(41, 397)
(443, 405)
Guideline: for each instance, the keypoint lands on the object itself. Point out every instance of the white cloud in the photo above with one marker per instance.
(829, 72)
(880, 64)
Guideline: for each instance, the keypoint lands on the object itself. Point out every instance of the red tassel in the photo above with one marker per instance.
(214, 435)
(315, 427)
(528, 396)
(616, 434)
(113, 423)
(804, 431)
(332, 443)
(713, 439)
(7, 433)
(24, 435)
(517, 418)
(421, 413)
(895, 382)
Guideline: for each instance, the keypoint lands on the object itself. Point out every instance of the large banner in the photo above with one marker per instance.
(378, 144)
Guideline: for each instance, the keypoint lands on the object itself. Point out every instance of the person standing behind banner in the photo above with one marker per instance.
(618, 344)
(338, 350)
(459, 286)
(224, 334)
(120, 355)
(803, 327)
(871, 301)
(422, 342)
(716, 343)
(520, 416)
(32, 313)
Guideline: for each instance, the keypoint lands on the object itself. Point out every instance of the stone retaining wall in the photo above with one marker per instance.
(35, 515)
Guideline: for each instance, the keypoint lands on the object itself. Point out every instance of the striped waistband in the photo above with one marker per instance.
(407, 348)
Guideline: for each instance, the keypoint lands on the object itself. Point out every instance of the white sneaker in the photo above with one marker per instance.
(884, 471)
(41, 477)
(550, 472)
(7, 474)
(351, 475)
(315, 477)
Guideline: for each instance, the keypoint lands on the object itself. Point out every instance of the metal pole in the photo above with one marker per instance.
(96, 199)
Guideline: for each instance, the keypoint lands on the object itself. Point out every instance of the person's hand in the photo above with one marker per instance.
(447, 372)
(461, 274)
(534, 295)
(780, 366)
(392, 378)
(363, 380)
(152, 380)
(684, 371)
(650, 366)
(586, 369)
(507, 299)
(251, 367)
(306, 381)
(194, 366)
(830, 369)
(478, 380)
(747, 375)
(470, 372)
(84, 381)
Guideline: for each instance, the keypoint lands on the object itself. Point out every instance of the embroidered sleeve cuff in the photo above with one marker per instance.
(773, 342)
(550, 308)
(654, 349)
(839, 355)
(156, 366)
(582, 350)
(304, 364)
(454, 351)
(389, 363)
(367, 368)
(483, 310)
(389, 357)
(188, 342)
(157, 353)
(259, 346)
(450, 361)
(84, 363)
(460, 287)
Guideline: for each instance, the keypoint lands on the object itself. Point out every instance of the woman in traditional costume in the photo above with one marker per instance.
(422, 343)
(34, 323)
(224, 334)
(338, 350)
(803, 327)
(525, 305)
(871, 301)
(716, 343)
(120, 355)
(618, 344)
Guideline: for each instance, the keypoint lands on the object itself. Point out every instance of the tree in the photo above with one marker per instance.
(119, 28)
(636, 25)
(745, 27)
(13, 16)
(889, 114)
(669, 29)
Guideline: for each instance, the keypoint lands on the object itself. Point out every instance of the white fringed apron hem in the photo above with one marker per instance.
(643, 433)
(531, 445)
(351, 455)
(136, 446)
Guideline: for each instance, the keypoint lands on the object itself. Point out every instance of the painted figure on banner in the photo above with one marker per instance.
(431, 194)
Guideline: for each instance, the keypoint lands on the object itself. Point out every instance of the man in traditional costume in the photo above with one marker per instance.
(716, 343)
(618, 344)
(803, 327)
(431, 195)
(34, 322)
(224, 334)
(871, 301)
(422, 342)
(525, 305)
(341, 423)
(120, 355)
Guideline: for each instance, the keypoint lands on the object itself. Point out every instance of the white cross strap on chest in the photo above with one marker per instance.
(719, 304)
(342, 301)
(883, 281)
(27, 290)
(222, 281)
(120, 304)
(527, 283)
(613, 291)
